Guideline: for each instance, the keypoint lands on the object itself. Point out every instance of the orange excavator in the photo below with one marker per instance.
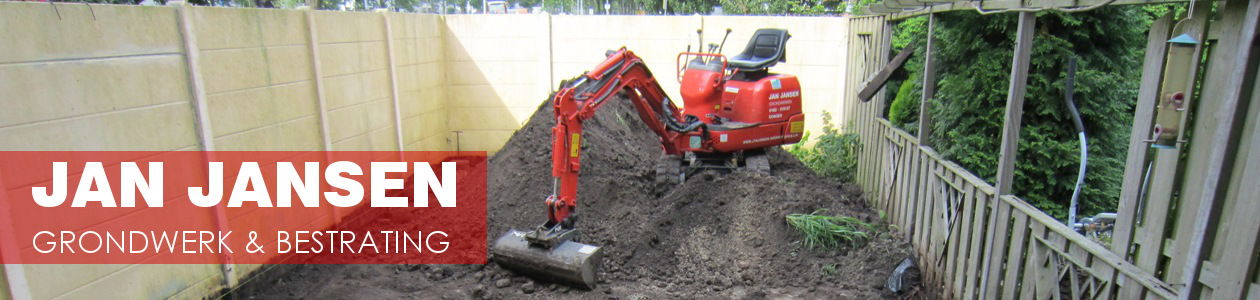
(734, 109)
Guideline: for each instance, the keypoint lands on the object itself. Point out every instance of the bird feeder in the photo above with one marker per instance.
(1174, 92)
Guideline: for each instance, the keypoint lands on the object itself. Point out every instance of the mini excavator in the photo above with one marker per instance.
(734, 109)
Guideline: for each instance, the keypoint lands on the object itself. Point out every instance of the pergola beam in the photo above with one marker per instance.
(929, 85)
(935, 6)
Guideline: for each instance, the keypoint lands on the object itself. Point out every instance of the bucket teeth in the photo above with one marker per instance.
(567, 262)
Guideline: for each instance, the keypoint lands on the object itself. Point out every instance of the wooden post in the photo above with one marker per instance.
(1010, 147)
(205, 133)
(929, 85)
(1235, 90)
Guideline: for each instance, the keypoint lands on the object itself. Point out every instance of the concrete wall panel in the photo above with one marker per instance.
(46, 91)
(36, 32)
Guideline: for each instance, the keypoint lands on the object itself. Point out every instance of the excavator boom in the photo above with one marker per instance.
(549, 250)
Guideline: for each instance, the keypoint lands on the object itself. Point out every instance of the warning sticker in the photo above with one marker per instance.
(797, 126)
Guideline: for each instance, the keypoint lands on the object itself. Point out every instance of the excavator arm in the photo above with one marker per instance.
(621, 73)
(551, 250)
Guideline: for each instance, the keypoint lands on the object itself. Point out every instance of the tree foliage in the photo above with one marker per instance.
(974, 54)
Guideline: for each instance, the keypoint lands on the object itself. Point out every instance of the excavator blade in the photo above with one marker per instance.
(568, 262)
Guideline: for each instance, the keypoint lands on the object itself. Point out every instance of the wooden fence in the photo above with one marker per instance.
(978, 241)
(973, 244)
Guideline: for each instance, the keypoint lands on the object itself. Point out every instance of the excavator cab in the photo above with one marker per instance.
(743, 104)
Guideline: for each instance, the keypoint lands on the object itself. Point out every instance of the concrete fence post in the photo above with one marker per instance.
(205, 133)
(393, 81)
(318, 80)
(14, 274)
(325, 137)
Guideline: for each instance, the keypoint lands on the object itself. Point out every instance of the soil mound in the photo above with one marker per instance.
(715, 236)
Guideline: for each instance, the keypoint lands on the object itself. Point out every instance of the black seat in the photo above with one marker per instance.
(766, 48)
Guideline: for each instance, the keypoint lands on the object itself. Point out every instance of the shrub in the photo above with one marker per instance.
(834, 155)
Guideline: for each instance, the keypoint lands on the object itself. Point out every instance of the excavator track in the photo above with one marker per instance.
(669, 172)
(758, 162)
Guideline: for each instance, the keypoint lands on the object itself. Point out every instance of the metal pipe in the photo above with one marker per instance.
(1080, 130)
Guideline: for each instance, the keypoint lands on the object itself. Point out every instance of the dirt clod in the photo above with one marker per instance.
(502, 283)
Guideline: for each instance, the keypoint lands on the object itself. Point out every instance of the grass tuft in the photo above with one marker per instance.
(829, 269)
(830, 232)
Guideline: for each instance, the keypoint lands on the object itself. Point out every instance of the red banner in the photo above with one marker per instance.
(189, 207)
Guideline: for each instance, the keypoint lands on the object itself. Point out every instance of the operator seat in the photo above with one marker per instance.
(766, 48)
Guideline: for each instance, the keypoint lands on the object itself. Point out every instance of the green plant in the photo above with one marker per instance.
(904, 110)
(829, 269)
(834, 154)
(830, 232)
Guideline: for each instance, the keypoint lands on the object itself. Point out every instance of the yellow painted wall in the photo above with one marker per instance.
(420, 65)
(122, 81)
(497, 74)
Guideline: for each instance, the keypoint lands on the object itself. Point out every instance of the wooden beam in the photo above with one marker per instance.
(880, 8)
(929, 85)
(1010, 147)
(944, 6)
(902, 4)
(877, 81)
(1015, 102)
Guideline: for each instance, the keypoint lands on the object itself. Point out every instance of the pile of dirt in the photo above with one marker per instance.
(717, 235)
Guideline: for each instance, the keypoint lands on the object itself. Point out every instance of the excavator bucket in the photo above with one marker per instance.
(567, 261)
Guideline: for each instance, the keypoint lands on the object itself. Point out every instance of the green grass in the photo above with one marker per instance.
(830, 232)
(829, 269)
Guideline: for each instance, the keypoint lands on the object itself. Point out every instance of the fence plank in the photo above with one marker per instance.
(924, 212)
(995, 252)
(1033, 264)
(1014, 258)
(964, 239)
(1143, 116)
(980, 219)
(954, 212)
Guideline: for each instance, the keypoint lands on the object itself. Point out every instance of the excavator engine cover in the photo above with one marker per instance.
(567, 262)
